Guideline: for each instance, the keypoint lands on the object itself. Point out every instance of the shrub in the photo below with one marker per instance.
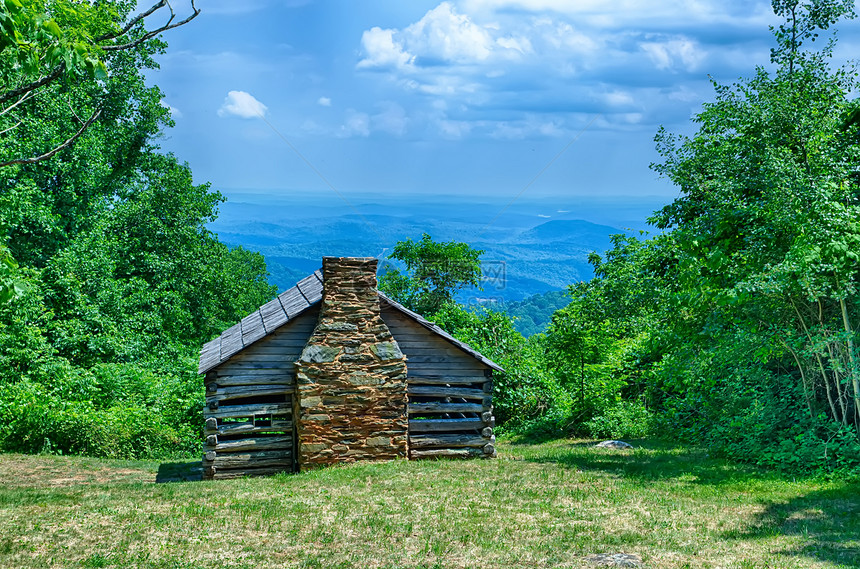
(626, 420)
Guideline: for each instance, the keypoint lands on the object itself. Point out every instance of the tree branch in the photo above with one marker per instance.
(153, 33)
(2, 132)
(51, 153)
(61, 68)
(16, 103)
(50, 77)
(132, 22)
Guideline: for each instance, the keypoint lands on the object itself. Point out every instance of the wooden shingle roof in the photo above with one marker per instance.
(287, 306)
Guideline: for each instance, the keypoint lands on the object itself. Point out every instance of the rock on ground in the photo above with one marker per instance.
(614, 444)
(615, 559)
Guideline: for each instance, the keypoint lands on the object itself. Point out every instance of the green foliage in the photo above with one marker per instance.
(434, 272)
(100, 355)
(525, 392)
(626, 420)
(34, 42)
(532, 315)
(12, 284)
(737, 326)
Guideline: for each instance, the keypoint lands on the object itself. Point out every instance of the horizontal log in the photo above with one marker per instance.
(251, 459)
(234, 366)
(229, 370)
(227, 474)
(442, 379)
(446, 441)
(238, 428)
(268, 379)
(269, 349)
(446, 453)
(292, 338)
(443, 425)
(256, 443)
(252, 356)
(443, 391)
(435, 407)
(235, 411)
(223, 394)
(489, 449)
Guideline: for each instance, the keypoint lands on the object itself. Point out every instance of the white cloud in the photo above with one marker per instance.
(518, 69)
(442, 36)
(174, 112)
(674, 53)
(381, 50)
(355, 124)
(446, 35)
(243, 105)
(618, 98)
(324, 102)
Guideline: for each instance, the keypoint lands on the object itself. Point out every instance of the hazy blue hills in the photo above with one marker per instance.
(530, 248)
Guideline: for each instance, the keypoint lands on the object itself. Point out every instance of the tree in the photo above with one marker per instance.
(767, 224)
(435, 271)
(11, 283)
(127, 281)
(43, 42)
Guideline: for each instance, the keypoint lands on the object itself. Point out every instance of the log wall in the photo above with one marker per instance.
(249, 405)
(450, 394)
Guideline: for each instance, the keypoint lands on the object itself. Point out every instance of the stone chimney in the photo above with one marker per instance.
(351, 402)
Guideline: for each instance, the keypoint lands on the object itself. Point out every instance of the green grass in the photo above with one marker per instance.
(538, 505)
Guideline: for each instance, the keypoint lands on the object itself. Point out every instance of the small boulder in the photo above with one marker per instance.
(617, 445)
(615, 559)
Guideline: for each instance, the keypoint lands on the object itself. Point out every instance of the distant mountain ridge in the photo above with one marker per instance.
(524, 253)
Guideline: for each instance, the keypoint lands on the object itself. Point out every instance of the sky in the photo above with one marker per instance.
(496, 98)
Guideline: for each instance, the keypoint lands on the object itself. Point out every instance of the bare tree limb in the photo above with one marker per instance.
(25, 97)
(51, 153)
(153, 33)
(16, 125)
(23, 90)
(23, 93)
(132, 22)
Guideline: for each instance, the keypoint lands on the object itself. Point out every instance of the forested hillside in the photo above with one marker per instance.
(533, 314)
(111, 280)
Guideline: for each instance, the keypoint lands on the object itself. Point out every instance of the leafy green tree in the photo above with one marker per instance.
(434, 272)
(46, 42)
(11, 282)
(526, 396)
(126, 281)
(766, 227)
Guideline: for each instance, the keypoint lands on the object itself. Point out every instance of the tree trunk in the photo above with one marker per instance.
(855, 380)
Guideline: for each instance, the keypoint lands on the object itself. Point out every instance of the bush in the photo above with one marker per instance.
(33, 419)
(626, 420)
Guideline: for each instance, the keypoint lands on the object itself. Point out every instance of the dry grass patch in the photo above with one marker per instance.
(539, 505)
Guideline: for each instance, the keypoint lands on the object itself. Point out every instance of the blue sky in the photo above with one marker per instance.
(454, 97)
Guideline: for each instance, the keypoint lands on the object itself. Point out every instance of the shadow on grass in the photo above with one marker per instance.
(179, 472)
(828, 521)
(650, 460)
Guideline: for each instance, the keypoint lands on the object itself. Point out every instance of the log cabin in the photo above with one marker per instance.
(333, 371)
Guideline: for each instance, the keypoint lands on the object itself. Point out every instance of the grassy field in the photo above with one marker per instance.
(539, 505)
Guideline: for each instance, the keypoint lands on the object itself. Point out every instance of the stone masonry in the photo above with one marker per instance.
(351, 376)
